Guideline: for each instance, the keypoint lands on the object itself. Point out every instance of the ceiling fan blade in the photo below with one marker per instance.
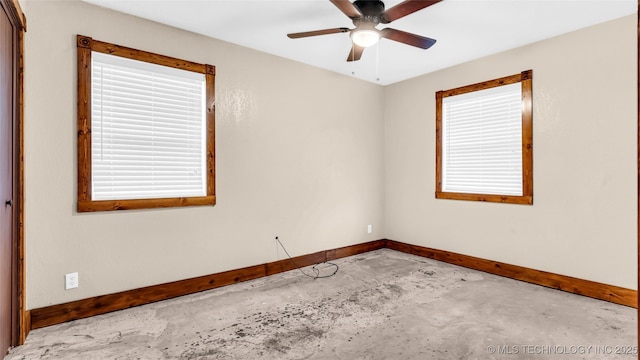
(407, 38)
(355, 53)
(347, 8)
(405, 8)
(317, 32)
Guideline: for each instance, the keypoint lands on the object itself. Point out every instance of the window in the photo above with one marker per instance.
(145, 129)
(484, 141)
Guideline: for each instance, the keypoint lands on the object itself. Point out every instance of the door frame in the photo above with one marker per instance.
(20, 317)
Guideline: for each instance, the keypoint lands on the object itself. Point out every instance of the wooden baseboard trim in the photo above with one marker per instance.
(322, 256)
(611, 293)
(79, 309)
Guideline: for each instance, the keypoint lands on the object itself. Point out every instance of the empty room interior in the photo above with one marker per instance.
(335, 214)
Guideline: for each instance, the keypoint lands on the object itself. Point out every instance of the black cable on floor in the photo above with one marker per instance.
(314, 268)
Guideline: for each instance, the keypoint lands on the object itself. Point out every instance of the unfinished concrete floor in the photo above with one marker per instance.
(380, 305)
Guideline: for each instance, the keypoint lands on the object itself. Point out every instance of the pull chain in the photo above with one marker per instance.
(353, 63)
(378, 61)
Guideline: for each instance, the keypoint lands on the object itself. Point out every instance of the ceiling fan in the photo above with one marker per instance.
(366, 15)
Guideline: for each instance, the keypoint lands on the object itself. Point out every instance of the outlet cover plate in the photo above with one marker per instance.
(71, 281)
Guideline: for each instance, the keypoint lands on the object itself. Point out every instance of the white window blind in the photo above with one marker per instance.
(482, 141)
(147, 130)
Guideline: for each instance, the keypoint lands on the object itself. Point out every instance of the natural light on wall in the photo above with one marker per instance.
(482, 141)
(148, 130)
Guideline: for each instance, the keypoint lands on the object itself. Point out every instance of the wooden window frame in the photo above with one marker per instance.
(525, 78)
(85, 45)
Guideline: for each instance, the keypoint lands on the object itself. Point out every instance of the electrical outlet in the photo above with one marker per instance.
(71, 281)
(369, 229)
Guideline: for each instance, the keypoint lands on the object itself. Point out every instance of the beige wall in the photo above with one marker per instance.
(299, 155)
(583, 221)
(314, 157)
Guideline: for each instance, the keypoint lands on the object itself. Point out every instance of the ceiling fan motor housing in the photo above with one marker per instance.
(370, 9)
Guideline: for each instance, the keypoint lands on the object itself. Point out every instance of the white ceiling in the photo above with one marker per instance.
(465, 29)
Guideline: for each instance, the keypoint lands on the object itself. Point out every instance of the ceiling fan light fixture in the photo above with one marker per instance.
(365, 38)
(366, 15)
